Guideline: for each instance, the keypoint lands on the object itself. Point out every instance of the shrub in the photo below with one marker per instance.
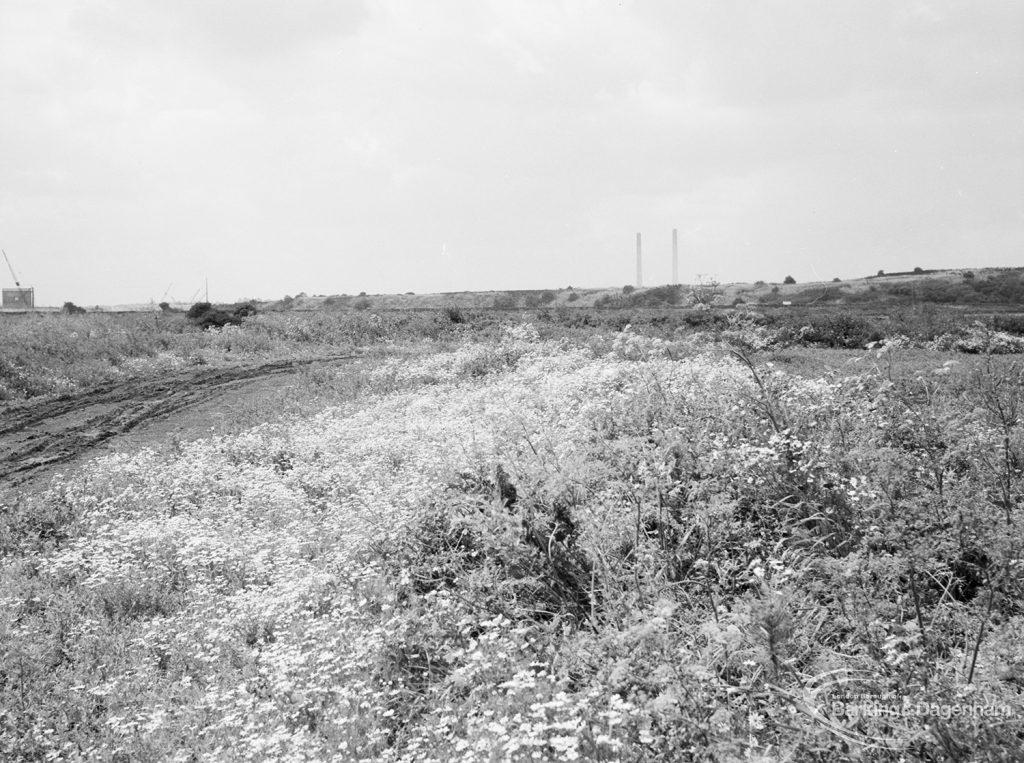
(704, 319)
(17, 382)
(204, 315)
(657, 296)
(454, 314)
(198, 309)
(506, 301)
(789, 280)
(628, 289)
(573, 296)
(979, 339)
(362, 304)
(244, 310)
(839, 330)
(705, 292)
(336, 303)
(1010, 324)
(70, 308)
(934, 290)
(1002, 287)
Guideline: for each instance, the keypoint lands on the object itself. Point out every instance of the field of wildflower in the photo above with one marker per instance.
(523, 546)
(46, 354)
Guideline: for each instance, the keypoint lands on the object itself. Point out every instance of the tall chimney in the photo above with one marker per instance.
(675, 257)
(639, 264)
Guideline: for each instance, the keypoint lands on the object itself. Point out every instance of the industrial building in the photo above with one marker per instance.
(19, 299)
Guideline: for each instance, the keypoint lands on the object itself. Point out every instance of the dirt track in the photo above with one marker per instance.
(36, 436)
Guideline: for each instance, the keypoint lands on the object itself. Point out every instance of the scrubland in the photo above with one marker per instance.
(557, 540)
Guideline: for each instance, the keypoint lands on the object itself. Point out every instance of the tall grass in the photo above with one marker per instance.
(47, 353)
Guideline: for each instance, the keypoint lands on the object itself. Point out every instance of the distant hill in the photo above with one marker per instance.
(990, 288)
(986, 286)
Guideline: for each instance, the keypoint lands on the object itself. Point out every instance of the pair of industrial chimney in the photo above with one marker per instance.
(675, 260)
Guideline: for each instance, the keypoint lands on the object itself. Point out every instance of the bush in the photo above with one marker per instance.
(1003, 287)
(336, 303)
(789, 280)
(979, 339)
(362, 304)
(704, 319)
(536, 299)
(839, 330)
(198, 309)
(1009, 324)
(573, 296)
(454, 314)
(244, 310)
(506, 301)
(204, 315)
(659, 295)
(70, 308)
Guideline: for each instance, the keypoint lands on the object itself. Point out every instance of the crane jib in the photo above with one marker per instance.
(11, 268)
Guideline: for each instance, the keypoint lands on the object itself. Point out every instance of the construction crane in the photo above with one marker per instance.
(11, 268)
(18, 298)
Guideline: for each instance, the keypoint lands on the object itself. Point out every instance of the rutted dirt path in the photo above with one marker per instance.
(38, 435)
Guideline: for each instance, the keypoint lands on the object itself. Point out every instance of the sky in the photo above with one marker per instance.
(151, 147)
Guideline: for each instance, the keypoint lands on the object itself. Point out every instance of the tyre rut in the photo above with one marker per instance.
(36, 436)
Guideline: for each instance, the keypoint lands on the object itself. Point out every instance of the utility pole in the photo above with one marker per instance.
(675, 257)
(639, 264)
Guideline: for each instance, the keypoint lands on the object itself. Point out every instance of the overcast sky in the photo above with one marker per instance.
(332, 146)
